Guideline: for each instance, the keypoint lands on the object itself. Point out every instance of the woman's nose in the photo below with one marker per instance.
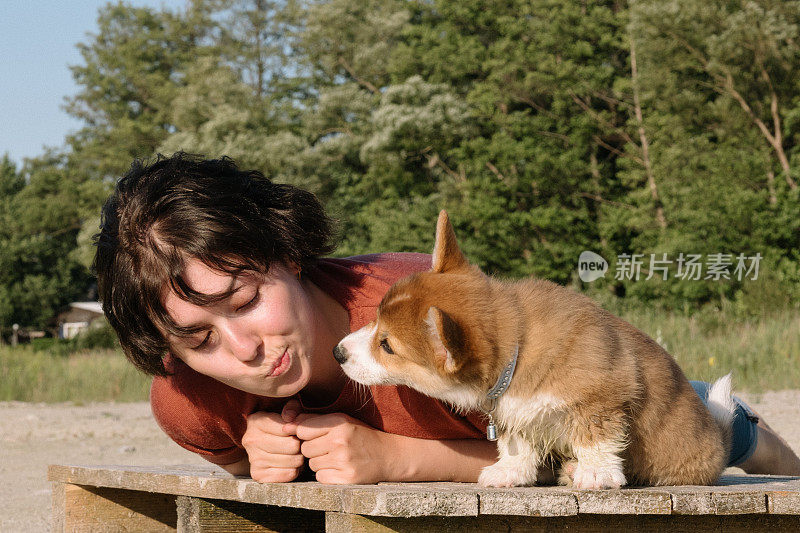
(243, 341)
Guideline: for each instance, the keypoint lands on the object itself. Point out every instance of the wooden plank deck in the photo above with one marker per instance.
(114, 498)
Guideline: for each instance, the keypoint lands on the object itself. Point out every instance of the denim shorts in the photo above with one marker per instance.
(745, 432)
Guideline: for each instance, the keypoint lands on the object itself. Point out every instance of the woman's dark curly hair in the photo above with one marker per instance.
(164, 212)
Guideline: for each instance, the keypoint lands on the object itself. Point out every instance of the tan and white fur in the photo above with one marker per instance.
(590, 392)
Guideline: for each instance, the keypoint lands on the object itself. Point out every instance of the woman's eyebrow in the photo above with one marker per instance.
(189, 330)
(195, 327)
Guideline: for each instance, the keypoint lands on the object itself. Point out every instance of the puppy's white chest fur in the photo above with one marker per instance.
(531, 428)
(540, 419)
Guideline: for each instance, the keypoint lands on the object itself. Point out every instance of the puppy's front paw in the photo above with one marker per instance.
(593, 477)
(498, 475)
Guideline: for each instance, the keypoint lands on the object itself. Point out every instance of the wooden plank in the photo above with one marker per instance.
(693, 503)
(78, 509)
(735, 503)
(624, 501)
(198, 515)
(57, 505)
(344, 523)
(720, 500)
(735, 495)
(783, 502)
(528, 501)
(349, 523)
(413, 499)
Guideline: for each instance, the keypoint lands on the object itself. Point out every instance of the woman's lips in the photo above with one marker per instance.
(281, 365)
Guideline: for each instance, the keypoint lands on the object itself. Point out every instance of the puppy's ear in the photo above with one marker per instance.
(447, 256)
(449, 342)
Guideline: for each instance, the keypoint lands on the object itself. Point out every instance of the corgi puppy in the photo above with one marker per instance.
(563, 380)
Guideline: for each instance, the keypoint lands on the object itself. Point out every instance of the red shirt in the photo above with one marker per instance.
(208, 417)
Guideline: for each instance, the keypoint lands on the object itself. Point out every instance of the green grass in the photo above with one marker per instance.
(84, 376)
(763, 354)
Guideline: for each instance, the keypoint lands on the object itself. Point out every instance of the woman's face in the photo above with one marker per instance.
(260, 340)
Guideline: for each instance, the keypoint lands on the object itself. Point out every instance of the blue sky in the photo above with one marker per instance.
(37, 43)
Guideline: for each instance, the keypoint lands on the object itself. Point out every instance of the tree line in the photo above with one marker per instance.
(545, 128)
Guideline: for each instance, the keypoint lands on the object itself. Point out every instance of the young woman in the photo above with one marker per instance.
(216, 283)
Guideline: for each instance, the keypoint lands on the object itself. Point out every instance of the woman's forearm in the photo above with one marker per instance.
(239, 468)
(440, 460)
(411, 459)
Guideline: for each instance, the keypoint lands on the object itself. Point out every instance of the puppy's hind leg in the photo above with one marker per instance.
(517, 465)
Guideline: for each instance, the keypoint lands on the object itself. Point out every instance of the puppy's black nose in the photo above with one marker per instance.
(340, 354)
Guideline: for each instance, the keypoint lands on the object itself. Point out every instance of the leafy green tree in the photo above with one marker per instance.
(214, 115)
(353, 41)
(539, 79)
(545, 128)
(132, 69)
(746, 51)
(715, 79)
(11, 182)
(40, 223)
(250, 37)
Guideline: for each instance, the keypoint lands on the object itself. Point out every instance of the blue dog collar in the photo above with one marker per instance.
(505, 378)
(498, 390)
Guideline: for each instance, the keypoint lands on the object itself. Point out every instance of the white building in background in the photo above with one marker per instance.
(78, 318)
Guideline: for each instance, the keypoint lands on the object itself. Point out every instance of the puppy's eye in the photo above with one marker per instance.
(386, 347)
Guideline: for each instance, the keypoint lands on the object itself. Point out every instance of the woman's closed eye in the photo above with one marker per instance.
(204, 343)
(251, 303)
